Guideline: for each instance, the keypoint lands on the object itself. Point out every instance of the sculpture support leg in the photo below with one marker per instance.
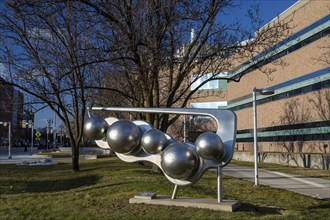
(175, 191)
(219, 173)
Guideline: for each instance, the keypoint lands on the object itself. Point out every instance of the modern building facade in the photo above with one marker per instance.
(295, 120)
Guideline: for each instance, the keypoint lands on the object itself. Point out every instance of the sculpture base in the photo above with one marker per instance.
(225, 205)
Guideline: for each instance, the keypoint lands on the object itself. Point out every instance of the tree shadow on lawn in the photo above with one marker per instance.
(107, 185)
(260, 210)
(321, 206)
(60, 185)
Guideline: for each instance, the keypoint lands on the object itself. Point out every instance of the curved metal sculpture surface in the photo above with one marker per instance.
(182, 163)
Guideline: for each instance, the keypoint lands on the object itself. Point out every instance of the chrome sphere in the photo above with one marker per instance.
(210, 146)
(179, 160)
(95, 128)
(123, 137)
(153, 141)
(170, 140)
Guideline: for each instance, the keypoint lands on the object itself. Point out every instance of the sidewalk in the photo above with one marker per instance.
(18, 155)
(315, 187)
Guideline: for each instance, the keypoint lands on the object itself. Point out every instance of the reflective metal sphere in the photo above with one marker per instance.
(103, 143)
(179, 160)
(143, 126)
(153, 141)
(123, 136)
(95, 128)
(170, 140)
(210, 146)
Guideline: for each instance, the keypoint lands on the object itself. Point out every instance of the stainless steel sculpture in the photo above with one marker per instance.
(182, 163)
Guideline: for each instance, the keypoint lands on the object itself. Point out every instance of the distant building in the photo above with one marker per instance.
(11, 110)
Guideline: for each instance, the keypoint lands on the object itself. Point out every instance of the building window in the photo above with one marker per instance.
(211, 85)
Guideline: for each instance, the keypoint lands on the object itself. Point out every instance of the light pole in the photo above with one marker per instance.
(54, 132)
(47, 131)
(9, 137)
(32, 132)
(265, 91)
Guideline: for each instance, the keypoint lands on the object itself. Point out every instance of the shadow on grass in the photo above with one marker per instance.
(323, 206)
(60, 185)
(105, 186)
(106, 167)
(260, 210)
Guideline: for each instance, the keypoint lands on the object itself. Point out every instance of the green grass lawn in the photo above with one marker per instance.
(103, 187)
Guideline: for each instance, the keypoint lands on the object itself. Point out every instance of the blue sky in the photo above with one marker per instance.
(269, 9)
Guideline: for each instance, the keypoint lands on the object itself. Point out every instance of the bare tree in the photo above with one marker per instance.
(155, 61)
(45, 47)
(61, 52)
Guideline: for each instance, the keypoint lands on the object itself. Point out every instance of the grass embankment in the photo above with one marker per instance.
(325, 174)
(103, 187)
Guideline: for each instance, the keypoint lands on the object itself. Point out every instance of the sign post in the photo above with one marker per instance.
(38, 135)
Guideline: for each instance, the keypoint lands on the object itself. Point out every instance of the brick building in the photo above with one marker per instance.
(296, 118)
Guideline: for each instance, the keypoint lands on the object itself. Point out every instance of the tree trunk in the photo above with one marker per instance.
(75, 158)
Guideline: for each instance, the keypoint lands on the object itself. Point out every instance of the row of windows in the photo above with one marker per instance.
(287, 51)
(288, 127)
(299, 91)
(309, 76)
(211, 85)
(288, 138)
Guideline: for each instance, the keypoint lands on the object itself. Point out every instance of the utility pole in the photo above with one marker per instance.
(9, 140)
(48, 123)
(54, 131)
(9, 137)
(32, 133)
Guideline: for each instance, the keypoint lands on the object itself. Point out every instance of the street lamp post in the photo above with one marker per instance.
(26, 136)
(32, 133)
(54, 132)
(265, 91)
(48, 123)
(9, 137)
(9, 140)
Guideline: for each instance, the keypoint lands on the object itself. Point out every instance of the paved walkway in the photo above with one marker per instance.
(315, 187)
(18, 155)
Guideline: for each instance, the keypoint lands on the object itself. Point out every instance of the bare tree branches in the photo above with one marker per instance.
(148, 45)
(70, 53)
(49, 54)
